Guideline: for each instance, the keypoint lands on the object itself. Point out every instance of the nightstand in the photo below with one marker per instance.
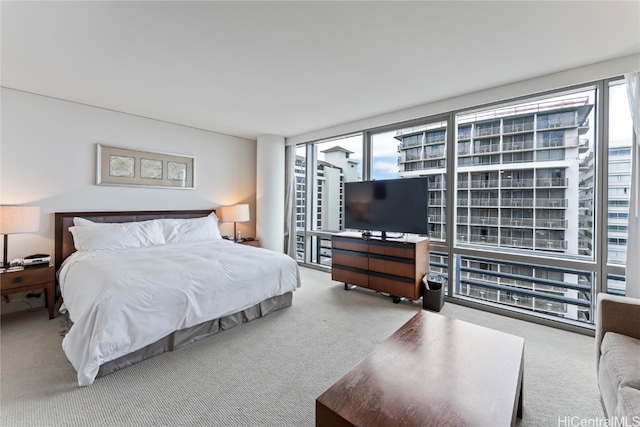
(21, 279)
(255, 243)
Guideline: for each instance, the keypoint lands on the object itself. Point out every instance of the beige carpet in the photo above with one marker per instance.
(267, 372)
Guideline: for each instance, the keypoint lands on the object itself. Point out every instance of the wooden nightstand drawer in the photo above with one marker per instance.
(26, 277)
(21, 279)
(255, 243)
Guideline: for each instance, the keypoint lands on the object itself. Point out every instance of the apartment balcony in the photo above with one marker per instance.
(552, 223)
(409, 144)
(485, 160)
(484, 277)
(518, 145)
(558, 290)
(516, 242)
(517, 183)
(585, 185)
(551, 244)
(551, 203)
(556, 124)
(526, 157)
(549, 307)
(437, 185)
(436, 202)
(517, 222)
(516, 283)
(488, 240)
(463, 184)
(486, 149)
(552, 182)
(435, 140)
(517, 128)
(483, 183)
(516, 203)
(585, 244)
(475, 202)
(584, 281)
(438, 235)
(585, 225)
(585, 234)
(462, 220)
(464, 151)
(476, 220)
(535, 303)
(557, 143)
(583, 145)
(464, 135)
(435, 218)
(488, 131)
(437, 154)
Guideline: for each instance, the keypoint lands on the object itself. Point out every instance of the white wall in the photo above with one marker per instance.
(48, 158)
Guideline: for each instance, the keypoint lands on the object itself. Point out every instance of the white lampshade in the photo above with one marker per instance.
(233, 213)
(19, 219)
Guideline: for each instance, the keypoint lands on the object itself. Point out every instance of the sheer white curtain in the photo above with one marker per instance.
(633, 243)
(289, 201)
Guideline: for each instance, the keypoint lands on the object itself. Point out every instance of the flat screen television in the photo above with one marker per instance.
(394, 205)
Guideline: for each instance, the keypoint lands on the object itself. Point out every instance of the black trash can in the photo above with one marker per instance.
(432, 295)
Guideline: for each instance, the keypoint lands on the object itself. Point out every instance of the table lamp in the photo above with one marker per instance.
(17, 219)
(235, 213)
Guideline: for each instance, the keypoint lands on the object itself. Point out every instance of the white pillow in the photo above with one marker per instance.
(116, 235)
(191, 229)
(81, 221)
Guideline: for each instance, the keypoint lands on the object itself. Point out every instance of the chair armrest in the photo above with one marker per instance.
(616, 314)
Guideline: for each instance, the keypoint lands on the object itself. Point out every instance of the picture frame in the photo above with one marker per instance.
(139, 168)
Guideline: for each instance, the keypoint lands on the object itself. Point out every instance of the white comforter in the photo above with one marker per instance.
(123, 300)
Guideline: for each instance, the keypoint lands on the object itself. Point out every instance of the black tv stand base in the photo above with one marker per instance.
(348, 287)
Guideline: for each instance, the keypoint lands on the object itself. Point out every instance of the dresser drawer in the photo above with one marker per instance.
(350, 277)
(393, 267)
(350, 259)
(349, 244)
(393, 286)
(392, 249)
(24, 278)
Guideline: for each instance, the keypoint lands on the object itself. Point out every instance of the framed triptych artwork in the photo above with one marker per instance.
(121, 166)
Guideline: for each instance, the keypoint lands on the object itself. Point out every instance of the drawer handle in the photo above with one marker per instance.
(17, 280)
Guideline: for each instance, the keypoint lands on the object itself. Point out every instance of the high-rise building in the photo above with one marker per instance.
(513, 173)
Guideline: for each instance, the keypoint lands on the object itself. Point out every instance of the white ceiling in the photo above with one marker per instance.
(287, 68)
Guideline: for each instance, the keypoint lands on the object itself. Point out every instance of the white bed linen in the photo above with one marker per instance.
(122, 300)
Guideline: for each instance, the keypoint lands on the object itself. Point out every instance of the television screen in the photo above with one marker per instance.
(396, 205)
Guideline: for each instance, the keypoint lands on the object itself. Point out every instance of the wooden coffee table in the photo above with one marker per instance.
(433, 371)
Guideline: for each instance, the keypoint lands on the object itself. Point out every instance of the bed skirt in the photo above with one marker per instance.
(183, 337)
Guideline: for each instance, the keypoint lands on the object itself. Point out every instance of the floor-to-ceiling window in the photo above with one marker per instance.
(525, 196)
(322, 168)
(523, 226)
(618, 184)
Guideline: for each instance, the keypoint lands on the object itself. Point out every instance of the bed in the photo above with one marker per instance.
(137, 284)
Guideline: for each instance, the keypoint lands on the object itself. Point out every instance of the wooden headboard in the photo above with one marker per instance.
(63, 220)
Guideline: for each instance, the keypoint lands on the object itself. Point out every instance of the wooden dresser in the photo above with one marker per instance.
(394, 266)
